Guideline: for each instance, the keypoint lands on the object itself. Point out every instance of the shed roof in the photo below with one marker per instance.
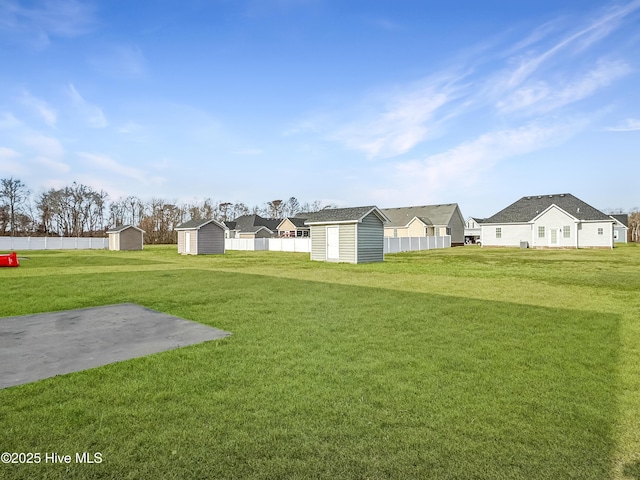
(122, 228)
(344, 215)
(528, 208)
(196, 224)
(429, 214)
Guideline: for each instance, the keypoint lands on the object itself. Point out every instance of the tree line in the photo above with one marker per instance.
(79, 210)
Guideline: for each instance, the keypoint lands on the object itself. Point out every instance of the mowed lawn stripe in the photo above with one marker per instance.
(326, 380)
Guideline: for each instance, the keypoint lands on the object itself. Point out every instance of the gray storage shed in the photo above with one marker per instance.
(200, 237)
(126, 237)
(353, 235)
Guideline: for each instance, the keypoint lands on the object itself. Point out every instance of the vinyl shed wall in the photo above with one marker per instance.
(370, 239)
(210, 239)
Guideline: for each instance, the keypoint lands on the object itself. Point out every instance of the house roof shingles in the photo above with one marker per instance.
(429, 214)
(527, 208)
(195, 223)
(329, 215)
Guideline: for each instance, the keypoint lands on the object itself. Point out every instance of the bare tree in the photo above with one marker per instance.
(634, 225)
(275, 208)
(292, 207)
(13, 195)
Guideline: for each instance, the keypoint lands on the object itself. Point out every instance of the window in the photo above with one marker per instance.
(498, 232)
(566, 231)
(600, 231)
(540, 232)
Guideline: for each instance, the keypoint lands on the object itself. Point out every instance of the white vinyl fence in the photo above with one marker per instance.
(53, 243)
(409, 244)
(391, 245)
(274, 244)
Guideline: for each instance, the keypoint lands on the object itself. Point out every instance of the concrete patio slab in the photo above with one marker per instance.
(33, 347)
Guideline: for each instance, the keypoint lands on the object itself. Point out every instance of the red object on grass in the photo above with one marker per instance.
(10, 260)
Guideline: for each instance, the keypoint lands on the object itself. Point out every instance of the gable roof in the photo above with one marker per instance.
(122, 228)
(623, 218)
(198, 223)
(344, 215)
(528, 208)
(296, 221)
(249, 223)
(429, 214)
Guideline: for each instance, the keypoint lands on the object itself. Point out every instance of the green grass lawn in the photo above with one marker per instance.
(464, 363)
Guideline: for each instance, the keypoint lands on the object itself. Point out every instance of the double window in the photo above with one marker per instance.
(540, 232)
(566, 231)
(498, 232)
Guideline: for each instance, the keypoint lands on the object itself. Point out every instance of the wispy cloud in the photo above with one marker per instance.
(7, 120)
(408, 118)
(534, 77)
(119, 61)
(92, 114)
(40, 107)
(44, 146)
(544, 96)
(108, 164)
(9, 161)
(53, 165)
(581, 39)
(36, 24)
(248, 151)
(629, 125)
(466, 162)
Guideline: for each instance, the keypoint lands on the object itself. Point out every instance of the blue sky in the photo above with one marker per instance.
(348, 102)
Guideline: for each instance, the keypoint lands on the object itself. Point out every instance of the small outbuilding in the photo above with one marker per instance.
(352, 235)
(201, 237)
(126, 237)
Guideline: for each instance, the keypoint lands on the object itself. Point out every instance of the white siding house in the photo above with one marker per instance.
(201, 237)
(549, 221)
(353, 235)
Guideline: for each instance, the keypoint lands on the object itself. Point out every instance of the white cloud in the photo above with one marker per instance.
(36, 24)
(248, 151)
(40, 107)
(629, 125)
(409, 118)
(119, 61)
(44, 146)
(542, 96)
(7, 120)
(9, 161)
(465, 163)
(108, 164)
(53, 165)
(582, 39)
(92, 114)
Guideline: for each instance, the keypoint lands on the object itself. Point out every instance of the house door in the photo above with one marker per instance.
(187, 242)
(554, 236)
(333, 243)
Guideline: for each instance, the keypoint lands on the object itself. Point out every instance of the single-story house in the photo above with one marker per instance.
(201, 237)
(293, 227)
(353, 235)
(126, 237)
(252, 226)
(548, 221)
(472, 230)
(426, 221)
(621, 228)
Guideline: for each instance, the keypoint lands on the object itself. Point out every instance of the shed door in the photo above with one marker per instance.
(187, 242)
(333, 243)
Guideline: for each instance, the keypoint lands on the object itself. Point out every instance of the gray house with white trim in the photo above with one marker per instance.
(352, 235)
(126, 237)
(201, 237)
(548, 221)
(620, 228)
